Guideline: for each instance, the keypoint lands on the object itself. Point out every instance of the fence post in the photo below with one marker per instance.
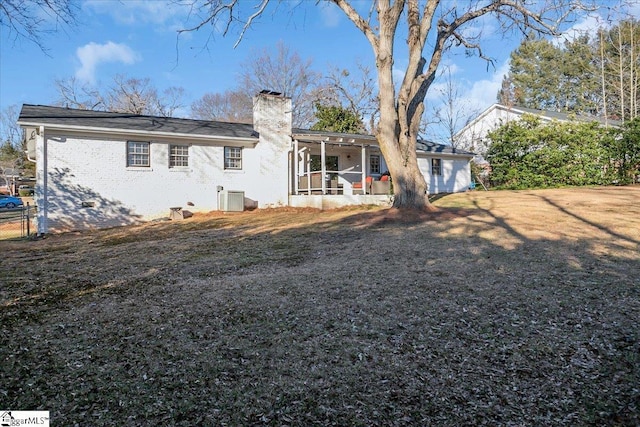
(28, 220)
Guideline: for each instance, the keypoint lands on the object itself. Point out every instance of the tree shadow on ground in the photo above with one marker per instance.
(455, 317)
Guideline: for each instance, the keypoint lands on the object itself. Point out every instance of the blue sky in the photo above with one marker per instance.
(137, 38)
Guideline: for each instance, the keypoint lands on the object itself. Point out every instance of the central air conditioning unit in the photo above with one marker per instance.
(231, 201)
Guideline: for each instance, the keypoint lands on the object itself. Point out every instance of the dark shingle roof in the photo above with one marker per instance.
(565, 117)
(356, 139)
(434, 147)
(67, 117)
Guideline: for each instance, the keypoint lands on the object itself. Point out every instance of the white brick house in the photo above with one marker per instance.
(100, 169)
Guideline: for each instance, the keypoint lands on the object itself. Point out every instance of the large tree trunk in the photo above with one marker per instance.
(397, 131)
(399, 120)
(409, 185)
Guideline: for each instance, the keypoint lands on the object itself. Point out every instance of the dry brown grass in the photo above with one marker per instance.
(503, 308)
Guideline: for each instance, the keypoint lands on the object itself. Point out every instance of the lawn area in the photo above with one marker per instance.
(506, 308)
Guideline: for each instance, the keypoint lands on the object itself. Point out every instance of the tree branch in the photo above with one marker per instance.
(32, 20)
(261, 9)
(358, 21)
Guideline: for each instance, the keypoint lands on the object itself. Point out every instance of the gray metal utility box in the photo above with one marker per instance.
(231, 201)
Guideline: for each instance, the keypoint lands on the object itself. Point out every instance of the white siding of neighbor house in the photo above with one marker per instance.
(455, 177)
(474, 136)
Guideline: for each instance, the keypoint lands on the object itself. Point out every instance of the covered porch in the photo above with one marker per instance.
(334, 169)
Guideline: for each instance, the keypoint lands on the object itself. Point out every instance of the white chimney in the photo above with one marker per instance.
(272, 120)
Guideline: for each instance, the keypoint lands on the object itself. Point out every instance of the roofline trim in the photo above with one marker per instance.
(116, 131)
(444, 154)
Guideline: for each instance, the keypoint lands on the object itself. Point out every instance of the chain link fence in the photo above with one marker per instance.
(18, 223)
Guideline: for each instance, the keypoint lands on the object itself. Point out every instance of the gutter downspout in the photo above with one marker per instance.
(41, 190)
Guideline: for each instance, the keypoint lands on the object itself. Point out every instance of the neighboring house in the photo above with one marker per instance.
(473, 136)
(101, 169)
(9, 180)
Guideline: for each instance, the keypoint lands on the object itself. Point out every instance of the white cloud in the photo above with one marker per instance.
(482, 30)
(439, 86)
(93, 54)
(591, 22)
(483, 93)
(136, 12)
(589, 25)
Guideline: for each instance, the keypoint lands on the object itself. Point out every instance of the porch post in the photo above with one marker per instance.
(307, 162)
(323, 167)
(296, 163)
(364, 170)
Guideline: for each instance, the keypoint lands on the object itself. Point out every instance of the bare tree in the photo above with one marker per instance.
(132, 95)
(33, 19)
(10, 131)
(125, 95)
(454, 111)
(170, 102)
(286, 72)
(354, 91)
(619, 56)
(231, 106)
(11, 149)
(401, 109)
(74, 94)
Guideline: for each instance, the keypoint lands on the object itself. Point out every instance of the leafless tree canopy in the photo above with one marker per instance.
(9, 129)
(126, 95)
(454, 111)
(284, 71)
(280, 70)
(354, 90)
(34, 19)
(230, 106)
(74, 94)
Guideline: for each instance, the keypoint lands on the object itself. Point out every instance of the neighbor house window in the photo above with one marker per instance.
(232, 158)
(436, 166)
(178, 156)
(374, 163)
(138, 154)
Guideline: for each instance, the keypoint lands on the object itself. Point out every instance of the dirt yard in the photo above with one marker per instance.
(501, 309)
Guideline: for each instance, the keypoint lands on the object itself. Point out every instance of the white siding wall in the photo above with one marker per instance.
(95, 171)
(455, 177)
(84, 182)
(474, 136)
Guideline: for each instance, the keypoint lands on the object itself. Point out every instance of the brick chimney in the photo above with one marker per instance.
(272, 113)
(272, 120)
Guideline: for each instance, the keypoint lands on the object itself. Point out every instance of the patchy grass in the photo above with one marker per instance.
(505, 308)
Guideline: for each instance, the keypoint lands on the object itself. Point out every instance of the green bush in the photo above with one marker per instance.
(25, 192)
(531, 154)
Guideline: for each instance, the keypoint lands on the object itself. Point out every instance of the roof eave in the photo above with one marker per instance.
(144, 133)
(444, 153)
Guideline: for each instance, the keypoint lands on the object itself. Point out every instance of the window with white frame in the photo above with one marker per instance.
(436, 167)
(178, 156)
(138, 154)
(374, 163)
(232, 158)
